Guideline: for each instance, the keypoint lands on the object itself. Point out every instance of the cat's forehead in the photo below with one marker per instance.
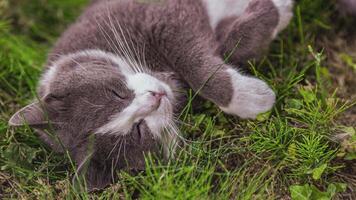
(89, 68)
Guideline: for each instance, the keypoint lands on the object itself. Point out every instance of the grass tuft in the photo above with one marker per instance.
(303, 149)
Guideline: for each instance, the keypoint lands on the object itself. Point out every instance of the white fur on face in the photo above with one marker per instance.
(251, 96)
(285, 14)
(47, 78)
(220, 9)
(158, 115)
(144, 106)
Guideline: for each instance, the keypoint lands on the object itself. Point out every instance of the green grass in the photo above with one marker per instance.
(303, 148)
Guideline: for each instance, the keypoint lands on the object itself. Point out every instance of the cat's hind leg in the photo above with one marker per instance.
(220, 9)
(285, 14)
(247, 35)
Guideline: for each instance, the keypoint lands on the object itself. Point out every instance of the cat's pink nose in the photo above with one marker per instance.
(158, 95)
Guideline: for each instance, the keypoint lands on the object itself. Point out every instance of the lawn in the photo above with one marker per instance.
(305, 148)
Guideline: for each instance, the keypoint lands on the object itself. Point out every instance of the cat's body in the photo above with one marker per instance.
(117, 74)
(347, 7)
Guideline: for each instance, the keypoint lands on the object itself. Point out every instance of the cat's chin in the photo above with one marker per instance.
(251, 96)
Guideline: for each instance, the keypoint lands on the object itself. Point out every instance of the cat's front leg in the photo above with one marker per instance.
(249, 96)
(233, 92)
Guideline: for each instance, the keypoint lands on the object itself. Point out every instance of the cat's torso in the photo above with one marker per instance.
(163, 31)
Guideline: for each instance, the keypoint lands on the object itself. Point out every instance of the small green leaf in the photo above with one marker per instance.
(308, 95)
(319, 195)
(317, 172)
(300, 192)
(294, 103)
(219, 133)
(349, 130)
(199, 119)
(324, 72)
(292, 151)
(263, 116)
(310, 192)
(350, 156)
(340, 187)
(348, 60)
(334, 188)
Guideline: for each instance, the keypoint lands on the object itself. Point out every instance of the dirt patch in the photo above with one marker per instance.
(340, 50)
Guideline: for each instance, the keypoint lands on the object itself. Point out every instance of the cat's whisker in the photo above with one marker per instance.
(106, 35)
(175, 129)
(90, 62)
(172, 143)
(185, 142)
(113, 149)
(173, 123)
(120, 44)
(115, 40)
(137, 52)
(80, 65)
(137, 65)
(143, 53)
(122, 143)
(127, 46)
(129, 53)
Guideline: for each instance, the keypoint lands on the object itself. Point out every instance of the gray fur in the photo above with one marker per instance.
(175, 38)
(348, 7)
(248, 35)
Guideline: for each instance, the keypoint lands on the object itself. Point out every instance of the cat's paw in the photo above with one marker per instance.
(251, 96)
(285, 12)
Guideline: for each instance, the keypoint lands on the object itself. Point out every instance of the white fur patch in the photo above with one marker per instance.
(285, 14)
(143, 106)
(47, 78)
(158, 117)
(251, 96)
(220, 9)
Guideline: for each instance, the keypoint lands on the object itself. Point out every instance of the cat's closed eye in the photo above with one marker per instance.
(118, 95)
(57, 96)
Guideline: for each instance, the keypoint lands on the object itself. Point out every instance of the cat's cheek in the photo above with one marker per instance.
(250, 96)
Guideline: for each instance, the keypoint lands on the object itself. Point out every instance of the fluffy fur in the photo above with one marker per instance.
(245, 89)
(113, 81)
(221, 9)
(347, 7)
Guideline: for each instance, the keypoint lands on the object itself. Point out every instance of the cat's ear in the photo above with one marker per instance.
(32, 115)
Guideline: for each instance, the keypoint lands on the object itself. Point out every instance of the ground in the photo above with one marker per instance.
(303, 149)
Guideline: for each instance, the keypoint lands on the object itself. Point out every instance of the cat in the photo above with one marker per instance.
(347, 7)
(113, 82)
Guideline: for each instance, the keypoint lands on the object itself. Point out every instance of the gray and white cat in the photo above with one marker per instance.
(113, 81)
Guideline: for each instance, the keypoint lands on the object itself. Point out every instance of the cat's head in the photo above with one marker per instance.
(95, 92)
